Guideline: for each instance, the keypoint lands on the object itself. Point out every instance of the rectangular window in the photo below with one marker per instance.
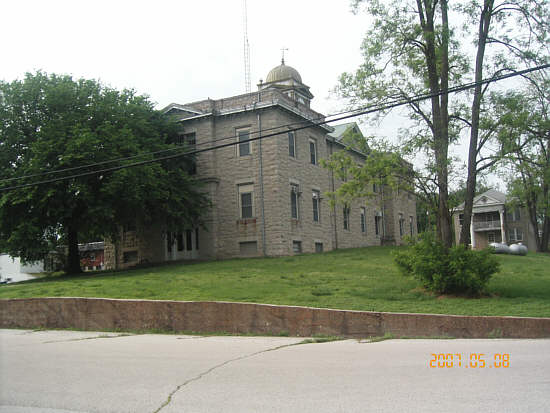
(318, 247)
(401, 225)
(461, 219)
(190, 139)
(180, 241)
(246, 200)
(197, 239)
(189, 239)
(248, 248)
(130, 226)
(491, 237)
(375, 188)
(516, 235)
(186, 139)
(246, 205)
(316, 198)
(297, 247)
(169, 241)
(519, 235)
(363, 220)
(346, 217)
(378, 225)
(191, 165)
(291, 144)
(313, 151)
(130, 256)
(294, 192)
(411, 225)
(244, 147)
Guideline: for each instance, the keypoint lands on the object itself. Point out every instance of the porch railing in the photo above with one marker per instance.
(487, 225)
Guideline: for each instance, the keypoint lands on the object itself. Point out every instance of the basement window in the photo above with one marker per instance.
(248, 248)
(130, 256)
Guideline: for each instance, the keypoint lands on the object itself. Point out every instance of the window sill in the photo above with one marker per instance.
(245, 221)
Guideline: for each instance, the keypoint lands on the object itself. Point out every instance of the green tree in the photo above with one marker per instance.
(516, 31)
(50, 123)
(406, 50)
(524, 134)
(412, 47)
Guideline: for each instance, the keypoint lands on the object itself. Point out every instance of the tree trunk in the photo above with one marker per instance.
(439, 111)
(73, 259)
(484, 23)
(545, 235)
(546, 223)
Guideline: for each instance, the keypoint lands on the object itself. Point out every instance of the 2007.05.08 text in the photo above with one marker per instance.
(471, 360)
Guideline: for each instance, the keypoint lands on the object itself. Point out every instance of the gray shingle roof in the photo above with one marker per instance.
(491, 193)
(340, 129)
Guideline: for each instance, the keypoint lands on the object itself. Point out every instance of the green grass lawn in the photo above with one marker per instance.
(355, 279)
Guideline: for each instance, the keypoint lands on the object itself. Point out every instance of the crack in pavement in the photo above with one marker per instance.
(210, 370)
(190, 338)
(87, 338)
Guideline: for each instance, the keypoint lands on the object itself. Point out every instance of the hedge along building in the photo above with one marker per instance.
(267, 195)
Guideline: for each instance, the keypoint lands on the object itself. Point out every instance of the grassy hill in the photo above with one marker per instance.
(355, 279)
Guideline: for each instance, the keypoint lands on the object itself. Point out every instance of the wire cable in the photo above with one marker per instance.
(288, 125)
(311, 123)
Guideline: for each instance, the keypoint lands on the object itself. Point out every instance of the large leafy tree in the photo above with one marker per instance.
(508, 35)
(414, 46)
(50, 127)
(524, 134)
(406, 51)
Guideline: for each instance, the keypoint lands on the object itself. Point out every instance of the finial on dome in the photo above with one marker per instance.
(283, 58)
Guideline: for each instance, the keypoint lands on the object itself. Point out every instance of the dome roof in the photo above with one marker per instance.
(283, 72)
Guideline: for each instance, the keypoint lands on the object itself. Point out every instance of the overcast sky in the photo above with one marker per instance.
(183, 51)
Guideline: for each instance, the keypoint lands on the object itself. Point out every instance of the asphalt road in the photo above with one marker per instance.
(61, 371)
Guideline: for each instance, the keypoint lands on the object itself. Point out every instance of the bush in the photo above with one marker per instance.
(457, 270)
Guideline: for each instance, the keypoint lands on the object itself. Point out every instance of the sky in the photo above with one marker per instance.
(184, 51)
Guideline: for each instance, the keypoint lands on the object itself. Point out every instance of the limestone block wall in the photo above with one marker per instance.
(298, 171)
(403, 202)
(271, 171)
(354, 237)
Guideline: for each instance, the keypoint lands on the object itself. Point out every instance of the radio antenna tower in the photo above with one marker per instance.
(246, 50)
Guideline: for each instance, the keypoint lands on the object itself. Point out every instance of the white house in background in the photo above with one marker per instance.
(492, 221)
(13, 268)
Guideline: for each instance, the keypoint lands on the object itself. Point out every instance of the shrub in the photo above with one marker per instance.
(457, 270)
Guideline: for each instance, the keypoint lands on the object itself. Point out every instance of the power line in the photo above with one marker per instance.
(352, 113)
(288, 125)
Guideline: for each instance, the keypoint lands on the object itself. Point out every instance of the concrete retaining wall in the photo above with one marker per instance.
(111, 314)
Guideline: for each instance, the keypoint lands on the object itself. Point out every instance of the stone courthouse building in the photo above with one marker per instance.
(267, 195)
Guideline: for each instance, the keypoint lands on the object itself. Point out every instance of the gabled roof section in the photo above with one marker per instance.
(342, 128)
(339, 132)
(177, 108)
(490, 197)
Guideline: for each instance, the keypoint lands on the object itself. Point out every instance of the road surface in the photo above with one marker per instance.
(63, 371)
